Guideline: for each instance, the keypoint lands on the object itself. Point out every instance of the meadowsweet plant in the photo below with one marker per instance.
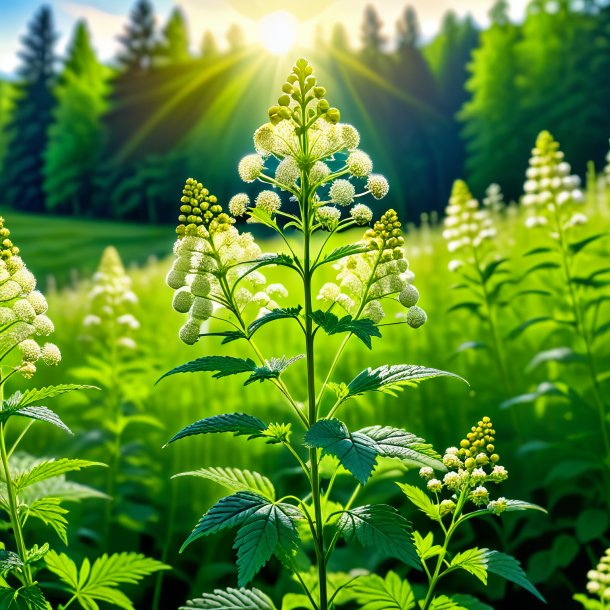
(470, 232)
(494, 199)
(114, 361)
(556, 209)
(598, 586)
(36, 488)
(465, 491)
(315, 178)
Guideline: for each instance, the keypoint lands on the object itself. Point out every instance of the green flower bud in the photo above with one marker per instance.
(323, 106)
(409, 296)
(333, 115)
(416, 317)
(284, 100)
(319, 92)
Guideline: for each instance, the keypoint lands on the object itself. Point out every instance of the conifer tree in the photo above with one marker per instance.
(27, 130)
(174, 47)
(209, 47)
(76, 135)
(339, 39)
(373, 39)
(139, 40)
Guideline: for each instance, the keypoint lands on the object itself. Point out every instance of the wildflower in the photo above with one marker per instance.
(378, 186)
(359, 164)
(30, 350)
(287, 172)
(374, 311)
(189, 333)
(446, 507)
(409, 296)
(416, 317)
(264, 138)
(24, 311)
(239, 204)
(450, 460)
(318, 172)
(425, 472)
(434, 485)
(43, 325)
(350, 137)
(51, 355)
(38, 301)
(329, 217)
(269, 202)
(250, 167)
(497, 507)
(361, 214)
(342, 192)
(494, 200)
(479, 495)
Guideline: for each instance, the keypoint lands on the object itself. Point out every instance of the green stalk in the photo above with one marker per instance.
(12, 501)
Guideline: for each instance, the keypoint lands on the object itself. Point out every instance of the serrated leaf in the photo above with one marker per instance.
(232, 599)
(425, 547)
(390, 593)
(228, 512)
(343, 251)
(331, 324)
(9, 561)
(381, 527)
(442, 602)
(51, 513)
(509, 568)
(398, 443)
(270, 529)
(279, 313)
(33, 395)
(24, 598)
(221, 366)
(239, 423)
(43, 414)
(356, 452)
(474, 561)
(391, 378)
(100, 581)
(50, 469)
(236, 479)
(576, 247)
(227, 335)
(421, 500)
(468, 602)
(564, 355)
(273, 369)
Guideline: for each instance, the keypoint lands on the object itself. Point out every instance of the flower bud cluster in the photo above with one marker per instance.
(494, 199)
(112, 303)
(553, 194)
(467, 225)
(470, 468)
(200, 212)
(380, 272)
(209, 260)
(599, 579)
(22, 311)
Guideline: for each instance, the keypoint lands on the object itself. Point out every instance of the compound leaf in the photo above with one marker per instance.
(221, 366)
(232, 599)
(364, 329)
(239, 423)
(390, 593)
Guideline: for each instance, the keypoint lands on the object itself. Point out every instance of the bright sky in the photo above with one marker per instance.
(107, 17)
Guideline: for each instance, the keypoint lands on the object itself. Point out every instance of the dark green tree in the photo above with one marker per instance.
(27, 130)
(496, 146)
(76, 135)
(7, 104)
(174, 45)
(373, 39)
(209, 46)
(139, 40)
(408, 32)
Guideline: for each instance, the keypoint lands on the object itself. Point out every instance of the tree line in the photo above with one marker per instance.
(81, 137)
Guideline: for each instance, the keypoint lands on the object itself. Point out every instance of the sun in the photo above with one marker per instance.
(277, 32)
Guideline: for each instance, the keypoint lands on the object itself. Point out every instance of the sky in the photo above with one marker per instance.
(106, 18)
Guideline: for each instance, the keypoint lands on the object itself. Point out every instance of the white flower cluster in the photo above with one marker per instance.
(607, 169)
(112, 302)
(466, 223)
(599, 579)
(22, 311)
(470, 467)
(379, 273)
(553, 194)
(494, 199)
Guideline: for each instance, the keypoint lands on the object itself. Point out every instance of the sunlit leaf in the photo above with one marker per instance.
(239, 423)
(364, 329)
(232, 599)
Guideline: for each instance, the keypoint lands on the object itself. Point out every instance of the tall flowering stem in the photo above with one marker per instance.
(306, 153)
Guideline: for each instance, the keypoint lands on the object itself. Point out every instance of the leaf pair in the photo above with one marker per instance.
(358, 451)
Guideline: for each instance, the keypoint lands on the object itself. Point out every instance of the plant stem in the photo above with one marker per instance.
(12, 502)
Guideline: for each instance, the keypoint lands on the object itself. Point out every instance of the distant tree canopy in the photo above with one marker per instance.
(90, 140)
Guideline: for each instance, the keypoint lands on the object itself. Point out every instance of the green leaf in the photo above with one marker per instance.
(228, 335)
(364, 329)
(273, 368)
(222, 366)
(32, 412)
(343, 251)
(421, 500)
(275, 314)
(425, 547)
(50, 469)
(232, 599)
(51, 513)
(33, 395)
(381, 527)
(469, 305)
(540, 267)
(226, 513)
(474, 561)
(271, 529)
(236, 480)
(239, 423)
(24, 598)
(469, 602)
(442, 602)
(591, 524)
(356, 452)
(535, 251)
(491, 268)
(99, 582)
(564, 355)
(390, 379)
(588, 603)
(518, 330)
(509, 568)
(390, 593)
(575, 248)
(398, 443)
(9, 561)
(546, 388)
